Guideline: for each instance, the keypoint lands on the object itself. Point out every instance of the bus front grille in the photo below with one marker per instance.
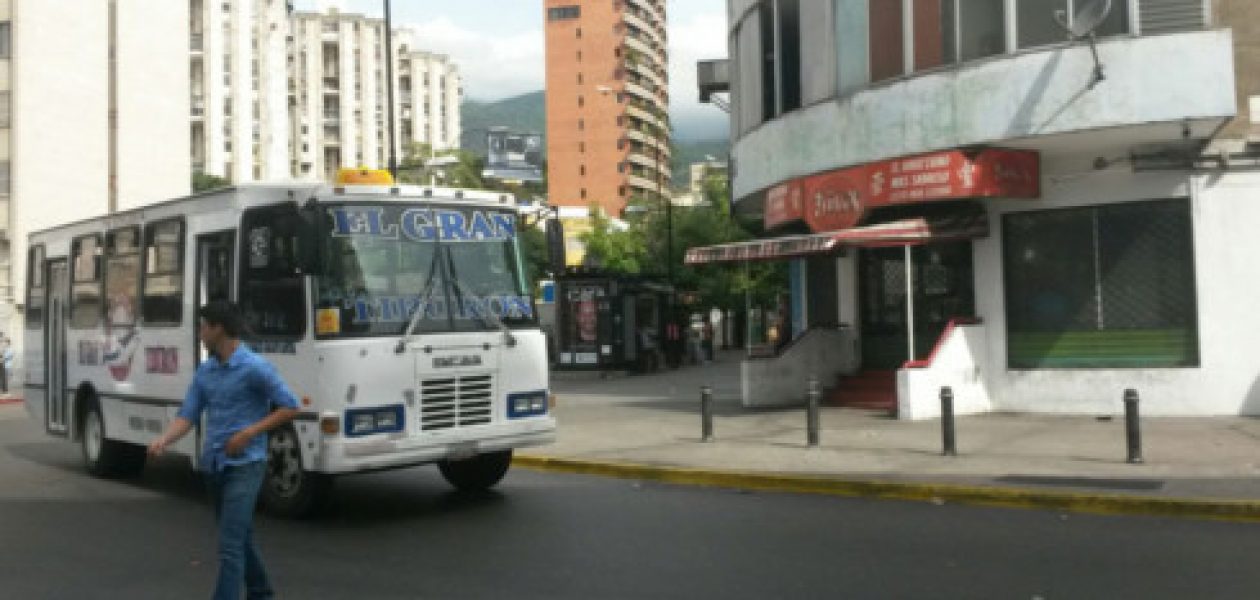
(455, 402)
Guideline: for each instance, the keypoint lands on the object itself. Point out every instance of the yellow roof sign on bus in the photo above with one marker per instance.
(346, 176)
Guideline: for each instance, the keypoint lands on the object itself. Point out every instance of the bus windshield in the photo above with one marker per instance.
(459, 266)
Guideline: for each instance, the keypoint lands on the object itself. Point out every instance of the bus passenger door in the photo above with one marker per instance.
(215, 280)
(55, 310)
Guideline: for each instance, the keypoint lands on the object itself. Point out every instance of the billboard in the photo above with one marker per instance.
(513, 156)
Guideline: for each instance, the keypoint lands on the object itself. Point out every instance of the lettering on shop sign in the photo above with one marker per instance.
(423, 224)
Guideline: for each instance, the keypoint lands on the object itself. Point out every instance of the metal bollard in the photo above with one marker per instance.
(1132, 428)
(706, 414)
(947, 422)
(811, 412)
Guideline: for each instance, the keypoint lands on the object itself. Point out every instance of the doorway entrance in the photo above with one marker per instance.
(942, 288)
(57, 397)
(215, 267)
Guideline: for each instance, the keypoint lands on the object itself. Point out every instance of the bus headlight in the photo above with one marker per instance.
(367, 421)
(527, 404)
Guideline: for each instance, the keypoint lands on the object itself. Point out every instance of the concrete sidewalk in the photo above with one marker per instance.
(649, 426)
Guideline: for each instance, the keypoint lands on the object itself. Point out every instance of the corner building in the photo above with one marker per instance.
(967, 199)
(607, 103)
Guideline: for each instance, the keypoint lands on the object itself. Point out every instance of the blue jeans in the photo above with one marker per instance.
(234, 492)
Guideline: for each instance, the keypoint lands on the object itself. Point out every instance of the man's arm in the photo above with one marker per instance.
(176, 430)
(236, 444)
(189, 413)
(278, 395)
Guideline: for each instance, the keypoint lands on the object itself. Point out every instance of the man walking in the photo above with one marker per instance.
(238, 390)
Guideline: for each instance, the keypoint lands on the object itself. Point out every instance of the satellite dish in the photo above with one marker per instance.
(1089, 17)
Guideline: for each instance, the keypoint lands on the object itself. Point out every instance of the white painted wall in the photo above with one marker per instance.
(957, 364)
(60, 137)
(153, 102)
(782, 380)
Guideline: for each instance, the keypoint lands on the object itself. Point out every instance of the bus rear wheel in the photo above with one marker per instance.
(478, 473)
(289, 490)
(105, 457)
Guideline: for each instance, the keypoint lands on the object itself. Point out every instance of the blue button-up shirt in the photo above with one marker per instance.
(236, 393)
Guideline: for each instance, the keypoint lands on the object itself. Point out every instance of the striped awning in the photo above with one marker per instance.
(905, 232)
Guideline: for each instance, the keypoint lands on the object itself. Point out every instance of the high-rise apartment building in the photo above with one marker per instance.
(240, 122)
(280, 94)
(89, 117)
(607, 103)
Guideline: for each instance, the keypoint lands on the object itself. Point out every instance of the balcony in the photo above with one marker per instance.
(645, 114)
(643, 183)
(638, 45)
(647, 28)
(640, 92)
(648, 7)
(643, 69)
(641, 159)
(1158, 89)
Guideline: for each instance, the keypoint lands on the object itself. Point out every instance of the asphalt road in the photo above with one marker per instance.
(403, 534)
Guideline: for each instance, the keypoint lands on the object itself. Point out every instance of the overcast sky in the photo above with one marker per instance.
(498, 44)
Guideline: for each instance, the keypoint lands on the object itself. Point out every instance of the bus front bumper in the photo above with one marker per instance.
(342, 455)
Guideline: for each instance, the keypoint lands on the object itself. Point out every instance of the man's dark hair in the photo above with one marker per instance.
(224, 314)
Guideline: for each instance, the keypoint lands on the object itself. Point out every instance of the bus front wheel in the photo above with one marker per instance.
(105, 457)
(478, 473)
(289, 490)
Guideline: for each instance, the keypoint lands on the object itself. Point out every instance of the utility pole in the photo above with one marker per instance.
(389, 91)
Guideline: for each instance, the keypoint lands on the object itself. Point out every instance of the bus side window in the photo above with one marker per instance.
(122, 277)
(162, 301)
(85, 291)
(271, 286)
(35, 287)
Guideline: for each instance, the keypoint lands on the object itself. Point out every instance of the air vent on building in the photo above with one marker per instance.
(1166, 16)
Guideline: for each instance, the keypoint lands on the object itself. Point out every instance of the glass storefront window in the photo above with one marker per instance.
(1101, 287)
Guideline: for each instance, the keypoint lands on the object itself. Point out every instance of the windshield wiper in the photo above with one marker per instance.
(486, 315)
(425, 294)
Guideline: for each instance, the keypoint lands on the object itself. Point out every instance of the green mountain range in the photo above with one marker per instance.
(528, 112)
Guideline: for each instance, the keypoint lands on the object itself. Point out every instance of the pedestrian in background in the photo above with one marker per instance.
(6, 363)
(243, 398)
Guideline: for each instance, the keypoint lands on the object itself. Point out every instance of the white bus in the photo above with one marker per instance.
(400, 316)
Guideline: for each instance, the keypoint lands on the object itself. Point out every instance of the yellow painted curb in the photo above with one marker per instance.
(1229, 510)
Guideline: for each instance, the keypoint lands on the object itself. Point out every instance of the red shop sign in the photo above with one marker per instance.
(955, 174)
(783, 205)
(840, 199)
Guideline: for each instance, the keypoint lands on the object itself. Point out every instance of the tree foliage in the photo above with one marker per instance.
(202, 182)
(644, 248)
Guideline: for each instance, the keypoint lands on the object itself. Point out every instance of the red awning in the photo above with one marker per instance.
(906, 232)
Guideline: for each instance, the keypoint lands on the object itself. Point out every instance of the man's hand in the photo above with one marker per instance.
(176, 430)
(157, 447)
(237, 443)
